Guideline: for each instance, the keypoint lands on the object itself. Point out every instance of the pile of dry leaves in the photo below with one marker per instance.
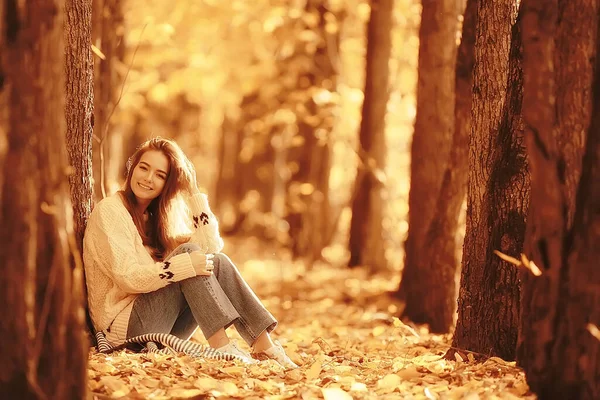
(338, 324)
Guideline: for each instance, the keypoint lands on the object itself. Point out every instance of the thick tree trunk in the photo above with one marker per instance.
(498, 189)
(42, 349)
(574, 63)
(558, 353)
(428, 283)
(366, 228)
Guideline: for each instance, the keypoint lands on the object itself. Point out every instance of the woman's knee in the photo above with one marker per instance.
(223, 259)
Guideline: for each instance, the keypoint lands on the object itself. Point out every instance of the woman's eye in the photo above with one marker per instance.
(162, 177)
(142, 168)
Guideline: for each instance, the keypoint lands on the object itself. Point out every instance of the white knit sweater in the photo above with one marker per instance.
(118, 267)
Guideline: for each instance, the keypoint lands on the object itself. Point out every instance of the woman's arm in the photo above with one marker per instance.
(118, 255)
(206, 227)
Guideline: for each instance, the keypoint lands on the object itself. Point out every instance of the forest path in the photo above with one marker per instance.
(338, 325)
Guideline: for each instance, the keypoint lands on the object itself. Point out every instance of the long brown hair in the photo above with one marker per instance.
(160, 236)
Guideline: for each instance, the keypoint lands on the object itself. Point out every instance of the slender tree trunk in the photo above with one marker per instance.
(307, 190)
(227, 188)
(42, 349)
(79, 108)
(428, 284)
(558, 353)
(246, 178)
(108, 36)
(366, 228)
(79, 69)
(434, 123)
(498, 189)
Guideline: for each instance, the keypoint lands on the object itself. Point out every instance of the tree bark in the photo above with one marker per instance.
(44, 356)
(560, 357)
(498, 189)
(366, 228)
(574, 64)
(428, 283)
(79, 112)
(434, 123)
(79, 69)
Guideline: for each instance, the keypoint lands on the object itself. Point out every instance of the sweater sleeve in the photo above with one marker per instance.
(117, 243)
(206, 227)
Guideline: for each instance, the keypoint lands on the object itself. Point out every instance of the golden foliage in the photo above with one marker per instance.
(211, 54)
(339, 325)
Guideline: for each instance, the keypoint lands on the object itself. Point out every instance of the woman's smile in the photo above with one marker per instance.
(149, 177)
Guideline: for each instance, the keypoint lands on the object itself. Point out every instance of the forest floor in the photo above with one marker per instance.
(339, 325)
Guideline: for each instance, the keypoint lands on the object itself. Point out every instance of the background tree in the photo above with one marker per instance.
(556, 349)
(44, 356)
(108, 37)
(428, 283)
(309, 152)
(366, 228)
(498, 189)
(247, 175)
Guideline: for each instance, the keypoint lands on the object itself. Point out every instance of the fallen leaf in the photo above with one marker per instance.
(335, 394)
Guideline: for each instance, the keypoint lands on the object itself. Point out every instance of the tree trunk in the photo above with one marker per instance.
(43, 353)
(558, 353)
(366, 228)
(574, 64)
(108, 36)
(79, 108)
(227, 187)
(254, 159)
(428, 283)
(79, 111)
(307, 189)
(498, 189)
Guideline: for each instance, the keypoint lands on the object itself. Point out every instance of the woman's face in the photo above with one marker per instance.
(149, 176)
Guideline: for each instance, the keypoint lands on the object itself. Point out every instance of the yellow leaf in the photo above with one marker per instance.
(313, 372)
(388, 383)
(234, 370)
(114, 386)
(230, 388)
(593, 329)
(358, 387)
(105, 368)
(409, 372)
(98, 52)
(335, 394)
(378, 330)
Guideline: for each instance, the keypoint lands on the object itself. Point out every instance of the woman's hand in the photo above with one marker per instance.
(189, 173)
(203, 263)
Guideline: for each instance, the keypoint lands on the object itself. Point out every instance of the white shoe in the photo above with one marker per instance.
(278, 354)
(233, 349)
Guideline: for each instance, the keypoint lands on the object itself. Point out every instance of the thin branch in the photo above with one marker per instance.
(112, 111)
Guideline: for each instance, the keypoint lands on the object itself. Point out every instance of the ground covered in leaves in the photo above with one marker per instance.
(339, 325)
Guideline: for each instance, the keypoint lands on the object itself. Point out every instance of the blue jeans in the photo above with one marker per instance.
(209, 302)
